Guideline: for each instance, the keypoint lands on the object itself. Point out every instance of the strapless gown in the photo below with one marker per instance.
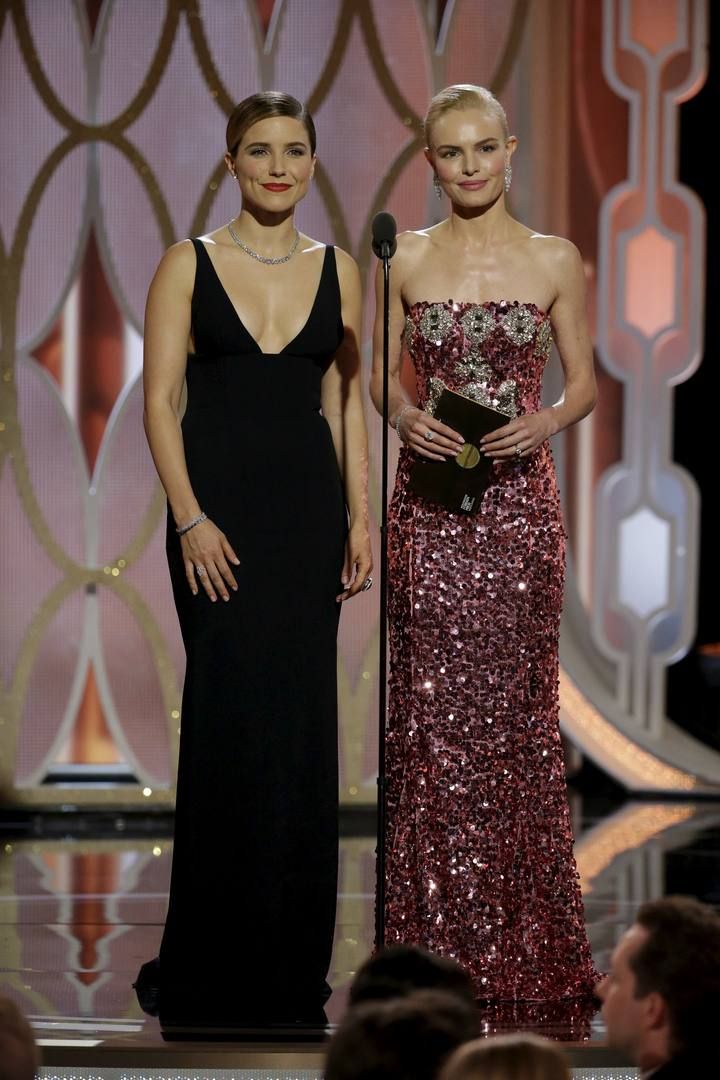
(480, 861)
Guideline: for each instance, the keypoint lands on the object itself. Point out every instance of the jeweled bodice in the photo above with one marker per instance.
(494, 352)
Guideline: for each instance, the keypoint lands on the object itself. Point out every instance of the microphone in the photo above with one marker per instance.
(384, 233)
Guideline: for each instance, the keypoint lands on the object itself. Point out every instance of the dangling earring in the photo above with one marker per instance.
(436, 186)
(508, 176)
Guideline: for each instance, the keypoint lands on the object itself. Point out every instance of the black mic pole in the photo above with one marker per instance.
(384, 244)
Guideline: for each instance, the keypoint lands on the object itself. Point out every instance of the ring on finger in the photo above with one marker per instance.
(518, 450)
(367, 584)
(200, 570)
(428, 436)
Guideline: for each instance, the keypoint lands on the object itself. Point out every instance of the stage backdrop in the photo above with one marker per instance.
(111, 130)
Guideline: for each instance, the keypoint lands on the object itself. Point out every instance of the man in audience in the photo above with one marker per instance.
(404, 1038)
(661, 999)
(401, 969)
(18, 1053)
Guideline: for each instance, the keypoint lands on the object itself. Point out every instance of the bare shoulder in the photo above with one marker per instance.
(347, 268)
(555, 252)
(177, 266)
(412, 246)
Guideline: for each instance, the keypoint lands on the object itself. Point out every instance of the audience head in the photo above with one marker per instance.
(507, 1057)
(406, 1038)
(399, 970)
(19, 1059)
(662, 994)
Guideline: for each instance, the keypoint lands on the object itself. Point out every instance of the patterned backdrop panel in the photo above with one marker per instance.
(112, 130)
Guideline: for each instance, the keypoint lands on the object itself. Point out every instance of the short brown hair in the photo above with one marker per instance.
(19, 1057)
(507, 1057)
(397, 970)
(406, 1038)
(464, 96)
(681, 960)
(261, 106)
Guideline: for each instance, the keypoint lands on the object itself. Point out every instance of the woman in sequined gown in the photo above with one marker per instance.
(262, 324)
(479, 862)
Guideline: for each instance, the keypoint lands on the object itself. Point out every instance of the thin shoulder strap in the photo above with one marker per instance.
(330, 280)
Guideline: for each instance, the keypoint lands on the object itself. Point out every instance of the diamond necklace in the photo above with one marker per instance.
(263, 258)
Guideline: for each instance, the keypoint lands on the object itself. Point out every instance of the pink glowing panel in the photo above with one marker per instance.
(131, 231)
(476, 37)
(181, 135)
(128, 42)
(28, 132)
(51, 682)
(650, 303)
(54, 458)
(302, 44)
(149, 576)
(27, 575)
(58, 39)
(148, 887)
(125, 478)
(406, 50)
(134, 686)
(349, 137)
(655, 26)
(232, 36)
(52, 249)
(313, 218)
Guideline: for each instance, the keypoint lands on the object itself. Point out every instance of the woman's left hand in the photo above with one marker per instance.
(358, 563)
(521, 436)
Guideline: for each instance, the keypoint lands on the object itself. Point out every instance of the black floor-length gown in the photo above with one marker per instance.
(252, 899)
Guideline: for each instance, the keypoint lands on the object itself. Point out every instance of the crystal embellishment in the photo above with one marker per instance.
(519, 325)
(436, 324)
(543, 341)
(477, 325)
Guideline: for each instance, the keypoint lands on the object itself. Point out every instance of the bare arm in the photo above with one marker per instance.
(572, 337)
(411, 423)
(167, 329)
(342, 408)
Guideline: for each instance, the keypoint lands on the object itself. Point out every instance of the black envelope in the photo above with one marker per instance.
(458, 483)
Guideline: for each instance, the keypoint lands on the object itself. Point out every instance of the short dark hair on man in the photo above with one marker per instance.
(399, 970)
(406, 1038)
(19, 1057)
(681, 961)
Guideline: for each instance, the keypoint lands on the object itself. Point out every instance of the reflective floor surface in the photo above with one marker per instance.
(79, 913)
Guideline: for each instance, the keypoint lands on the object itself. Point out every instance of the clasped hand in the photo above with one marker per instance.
(432, 439)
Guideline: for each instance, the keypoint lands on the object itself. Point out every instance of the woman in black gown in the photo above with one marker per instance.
(267, 535)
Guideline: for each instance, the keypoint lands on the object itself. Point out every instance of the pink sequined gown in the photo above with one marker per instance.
(479, 862)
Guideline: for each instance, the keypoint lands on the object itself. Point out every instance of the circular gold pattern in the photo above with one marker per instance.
(469, 456)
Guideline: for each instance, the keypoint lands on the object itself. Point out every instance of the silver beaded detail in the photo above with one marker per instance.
(263, 258)
(519, 325)
(436, 323)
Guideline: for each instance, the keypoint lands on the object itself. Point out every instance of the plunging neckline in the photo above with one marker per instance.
(242, 325)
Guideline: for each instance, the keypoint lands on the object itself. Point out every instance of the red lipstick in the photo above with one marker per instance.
(276, 187)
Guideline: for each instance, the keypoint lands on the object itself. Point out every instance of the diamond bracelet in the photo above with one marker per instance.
(191, 524)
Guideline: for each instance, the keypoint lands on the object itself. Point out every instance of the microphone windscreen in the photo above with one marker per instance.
(384, 232)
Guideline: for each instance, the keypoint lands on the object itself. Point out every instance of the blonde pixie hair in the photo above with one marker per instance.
(507, 1057)
(464, 96)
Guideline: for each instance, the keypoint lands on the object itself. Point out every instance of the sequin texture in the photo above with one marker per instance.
(479, 862)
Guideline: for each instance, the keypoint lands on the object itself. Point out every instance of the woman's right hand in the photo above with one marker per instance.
(206, 554)
(428, 436)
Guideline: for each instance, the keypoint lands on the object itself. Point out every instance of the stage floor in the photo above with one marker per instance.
(82, 902)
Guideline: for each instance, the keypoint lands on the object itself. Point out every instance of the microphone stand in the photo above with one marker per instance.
(385, 253)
